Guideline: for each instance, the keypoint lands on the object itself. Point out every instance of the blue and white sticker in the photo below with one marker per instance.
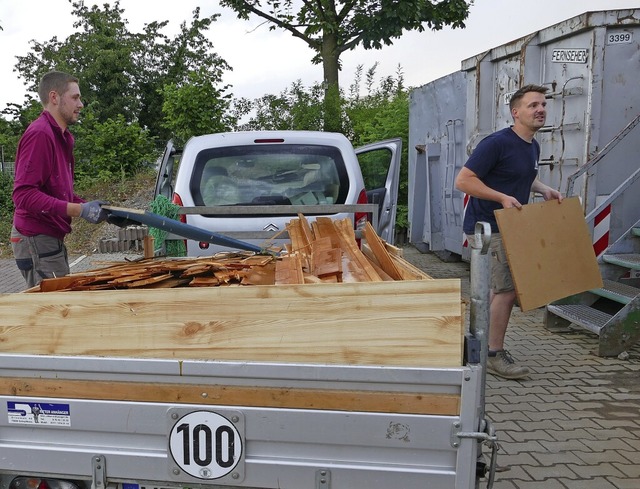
(38, 413)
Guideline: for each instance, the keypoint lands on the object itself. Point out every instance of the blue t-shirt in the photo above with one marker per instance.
(504, 162)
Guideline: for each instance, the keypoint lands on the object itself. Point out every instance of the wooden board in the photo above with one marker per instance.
(230, 395)
(549, 251)
(407, 323)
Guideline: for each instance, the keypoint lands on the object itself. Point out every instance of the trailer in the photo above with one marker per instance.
(346, 385)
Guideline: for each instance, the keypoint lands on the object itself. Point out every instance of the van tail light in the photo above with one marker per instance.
(361, 218)
(177, 200)
(41, 483)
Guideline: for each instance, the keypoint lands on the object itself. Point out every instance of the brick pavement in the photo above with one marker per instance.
(574, 424)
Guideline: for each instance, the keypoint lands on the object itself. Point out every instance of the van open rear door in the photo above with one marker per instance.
(166, 171)
(380, 164)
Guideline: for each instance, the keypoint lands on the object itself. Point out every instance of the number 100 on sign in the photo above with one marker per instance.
(205, 445)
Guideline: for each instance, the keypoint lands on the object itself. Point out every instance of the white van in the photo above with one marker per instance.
(271, 169)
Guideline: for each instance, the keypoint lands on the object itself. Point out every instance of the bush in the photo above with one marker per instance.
(6, 212)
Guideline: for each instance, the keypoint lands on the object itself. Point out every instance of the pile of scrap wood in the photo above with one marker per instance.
(319, 252)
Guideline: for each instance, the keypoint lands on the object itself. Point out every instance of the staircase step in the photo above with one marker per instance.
(585, 316)
(627, 260)
(616, 291)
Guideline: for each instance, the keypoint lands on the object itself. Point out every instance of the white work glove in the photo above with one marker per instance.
(93, 212)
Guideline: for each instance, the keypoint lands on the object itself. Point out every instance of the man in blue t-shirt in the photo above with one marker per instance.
(501, 173)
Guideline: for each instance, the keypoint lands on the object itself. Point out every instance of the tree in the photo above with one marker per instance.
(296, 108)
(383, 113)
(111, 150)
(331, 27)
(196, 107)
(123, 73)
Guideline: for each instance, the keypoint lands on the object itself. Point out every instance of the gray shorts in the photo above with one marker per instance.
(39, 257)
(501, 280)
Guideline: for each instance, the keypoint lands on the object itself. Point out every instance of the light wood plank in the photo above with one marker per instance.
(381, 253)
(412, 323)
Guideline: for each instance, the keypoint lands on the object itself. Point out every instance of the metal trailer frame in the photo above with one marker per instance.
(107, 442)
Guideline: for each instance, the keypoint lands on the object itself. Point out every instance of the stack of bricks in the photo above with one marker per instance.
(130, 238)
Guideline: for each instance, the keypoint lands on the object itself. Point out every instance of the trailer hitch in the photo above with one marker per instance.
(487, 437)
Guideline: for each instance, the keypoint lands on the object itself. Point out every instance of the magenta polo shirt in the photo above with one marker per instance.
(43, 183)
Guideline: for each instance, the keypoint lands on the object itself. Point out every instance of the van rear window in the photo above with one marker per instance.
(269, 175)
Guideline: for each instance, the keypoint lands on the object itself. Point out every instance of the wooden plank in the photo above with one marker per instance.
(355, 266)
(323, 228)
(382, 255)
(289, 270)
(402, 323)
(549, 251)
(409, 271)
(366, 250)
(229, 395)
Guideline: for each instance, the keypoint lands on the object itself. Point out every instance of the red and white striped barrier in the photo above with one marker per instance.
(465, 202)
(601, 225)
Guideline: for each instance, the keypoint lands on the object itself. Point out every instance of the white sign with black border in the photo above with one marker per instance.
(570, 55)
(206, 445)
(620, 37)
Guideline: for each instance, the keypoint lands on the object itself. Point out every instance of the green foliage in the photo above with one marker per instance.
(123, 73)
(296, 108)
(110, 150)
(6, 208)
(382, 114)
(196, 107)
(11, 129)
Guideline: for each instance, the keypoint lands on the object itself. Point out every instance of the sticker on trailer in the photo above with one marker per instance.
(207, 445)
(577, 55)
(38, 413)
(624, 37)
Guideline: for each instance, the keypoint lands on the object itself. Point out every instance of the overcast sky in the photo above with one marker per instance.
(266, 61)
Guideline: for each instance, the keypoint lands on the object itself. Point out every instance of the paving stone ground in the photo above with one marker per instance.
(574, 424)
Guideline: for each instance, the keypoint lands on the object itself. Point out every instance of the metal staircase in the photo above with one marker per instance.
(613, 311)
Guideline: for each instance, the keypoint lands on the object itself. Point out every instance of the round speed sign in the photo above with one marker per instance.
(205, 445)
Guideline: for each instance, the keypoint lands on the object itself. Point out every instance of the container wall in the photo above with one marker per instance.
(437, 150)
(590, 64)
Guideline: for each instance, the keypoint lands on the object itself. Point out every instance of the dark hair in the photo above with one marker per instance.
(54, 80)
(517, 96)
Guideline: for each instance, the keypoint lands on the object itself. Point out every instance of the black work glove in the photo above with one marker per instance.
(93, 212)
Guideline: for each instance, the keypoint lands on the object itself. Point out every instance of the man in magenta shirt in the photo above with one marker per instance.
(43, 186)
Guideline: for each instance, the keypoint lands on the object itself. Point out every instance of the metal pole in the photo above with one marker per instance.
(480, 271)
(479, 317)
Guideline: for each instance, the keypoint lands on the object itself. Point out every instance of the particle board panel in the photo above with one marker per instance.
(549, 250)
(407, 323)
